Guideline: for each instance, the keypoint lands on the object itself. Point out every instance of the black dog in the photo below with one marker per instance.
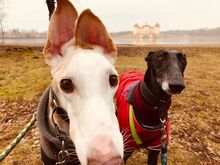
(144, 99)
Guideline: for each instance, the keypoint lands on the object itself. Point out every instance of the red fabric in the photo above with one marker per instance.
(150, 139)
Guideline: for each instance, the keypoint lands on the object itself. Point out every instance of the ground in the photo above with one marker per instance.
(195, 114)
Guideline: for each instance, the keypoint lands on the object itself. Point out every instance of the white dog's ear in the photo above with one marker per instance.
(91, 32)
(61, 29)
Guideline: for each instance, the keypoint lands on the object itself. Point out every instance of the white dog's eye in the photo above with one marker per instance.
(113, 80)
(66, 85)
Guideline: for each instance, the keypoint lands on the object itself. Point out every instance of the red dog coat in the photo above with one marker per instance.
(134, 134)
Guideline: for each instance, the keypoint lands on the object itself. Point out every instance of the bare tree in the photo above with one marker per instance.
(2, 17)
(51, 6)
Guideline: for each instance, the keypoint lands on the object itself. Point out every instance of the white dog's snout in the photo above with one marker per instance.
(103, 150)
(103, 145)
(98, 131)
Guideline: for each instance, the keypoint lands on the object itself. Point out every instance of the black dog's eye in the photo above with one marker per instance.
(160, 58)
(113, 80)
(66, 85)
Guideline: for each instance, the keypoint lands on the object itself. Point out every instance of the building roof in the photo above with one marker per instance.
(146, 25)
(157, 24)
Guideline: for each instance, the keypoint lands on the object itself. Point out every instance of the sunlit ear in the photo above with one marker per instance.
(91, 32)
(61, 29)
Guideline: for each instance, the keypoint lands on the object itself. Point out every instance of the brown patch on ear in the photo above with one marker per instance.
(91, 32)
(61, 28)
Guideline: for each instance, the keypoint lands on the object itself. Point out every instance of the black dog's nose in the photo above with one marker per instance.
(176, 88)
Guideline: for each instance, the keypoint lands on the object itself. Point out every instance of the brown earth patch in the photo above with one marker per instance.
(195, 114)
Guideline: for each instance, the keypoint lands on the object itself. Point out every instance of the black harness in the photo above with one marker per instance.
(56, 146)
(148, 96)
(159, 105)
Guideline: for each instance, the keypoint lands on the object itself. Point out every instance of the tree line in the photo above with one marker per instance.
(16, 32)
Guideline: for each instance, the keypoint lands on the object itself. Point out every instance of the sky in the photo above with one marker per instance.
(121, 15)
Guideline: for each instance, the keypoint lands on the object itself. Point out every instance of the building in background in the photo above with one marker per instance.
(146, 30)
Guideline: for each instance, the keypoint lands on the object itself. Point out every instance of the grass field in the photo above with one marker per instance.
(195, 114)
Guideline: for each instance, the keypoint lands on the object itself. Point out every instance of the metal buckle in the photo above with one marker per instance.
(163, 132)
(163, 121)
(63, 155)
(55, 102)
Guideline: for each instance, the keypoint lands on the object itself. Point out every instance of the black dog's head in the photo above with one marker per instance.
(166, 68)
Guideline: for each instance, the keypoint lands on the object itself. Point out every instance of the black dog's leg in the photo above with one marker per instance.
(126, 156)
(152, 157)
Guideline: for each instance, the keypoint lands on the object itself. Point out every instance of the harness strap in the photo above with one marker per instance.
(47, 135)
(132, 126)
(135, 135)
(158, 107)
(63, 155)
(51, 137)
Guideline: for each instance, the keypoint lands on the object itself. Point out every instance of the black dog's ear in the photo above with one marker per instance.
(149, 55)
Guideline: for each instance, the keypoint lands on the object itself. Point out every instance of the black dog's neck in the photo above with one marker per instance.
(148, 98)
(152, 87)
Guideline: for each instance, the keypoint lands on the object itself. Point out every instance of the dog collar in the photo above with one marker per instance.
(151, 99)
(48, 141)
(60, 112)
(51, 145)
(66, 143)
(148, 97)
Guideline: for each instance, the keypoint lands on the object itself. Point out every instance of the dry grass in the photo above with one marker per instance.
(195, 114)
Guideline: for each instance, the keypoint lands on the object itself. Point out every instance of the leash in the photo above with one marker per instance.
(163, 140)
(163, 143)
(15, 142)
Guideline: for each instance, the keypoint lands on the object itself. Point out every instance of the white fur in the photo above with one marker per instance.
(90, 107)
(165, 86)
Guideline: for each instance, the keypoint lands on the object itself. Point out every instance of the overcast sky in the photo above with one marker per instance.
(120, 15)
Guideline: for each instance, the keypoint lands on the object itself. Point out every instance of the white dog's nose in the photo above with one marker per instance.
(104, 152)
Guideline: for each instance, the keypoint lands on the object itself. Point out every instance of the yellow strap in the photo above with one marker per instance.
(132, 126)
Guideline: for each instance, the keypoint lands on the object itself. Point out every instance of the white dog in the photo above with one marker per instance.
(81, 56)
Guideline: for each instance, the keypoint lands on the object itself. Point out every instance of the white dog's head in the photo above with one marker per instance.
(81, 55)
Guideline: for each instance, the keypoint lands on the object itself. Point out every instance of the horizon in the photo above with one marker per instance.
(130, 30)
(171, 15)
